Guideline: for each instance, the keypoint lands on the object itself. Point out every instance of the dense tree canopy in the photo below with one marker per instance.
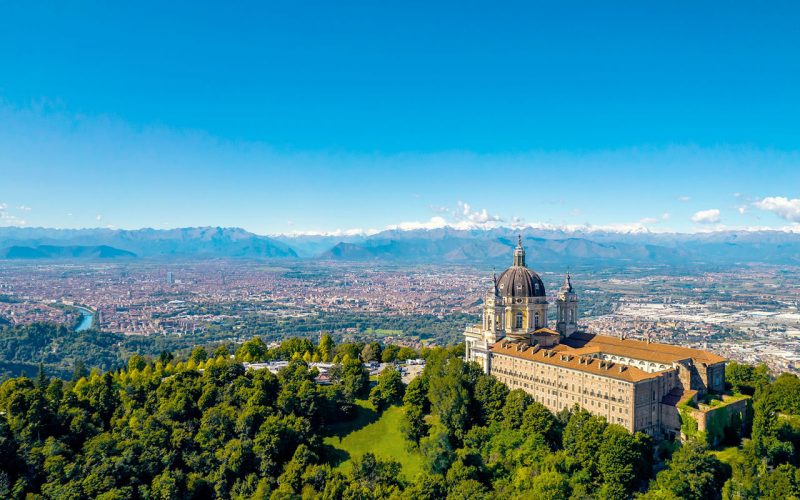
(199, 425)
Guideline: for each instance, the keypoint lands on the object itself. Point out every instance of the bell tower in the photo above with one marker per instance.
(567, 309)
(493, 314)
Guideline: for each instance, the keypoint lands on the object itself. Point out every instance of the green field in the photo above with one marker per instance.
(383, 332)
(367, 432)
(730, 455)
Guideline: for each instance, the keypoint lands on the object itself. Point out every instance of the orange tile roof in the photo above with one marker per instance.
(662, 353)
(568, 359)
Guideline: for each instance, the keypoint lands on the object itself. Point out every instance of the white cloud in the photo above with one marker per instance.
(7, 219)
(742, 209)
(684, 198)
(622, 227)
(479, 218)
(461, 217)
(24, 208)
(99, 217)
(654, 220)
(464, 216)
(791, 228)
(781, 206)
(336, 232)
(710, 216)
(435, 222)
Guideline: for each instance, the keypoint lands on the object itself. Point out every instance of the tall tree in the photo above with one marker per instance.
(583, 437)
(691, 474)
(388, 390)
(326, 347)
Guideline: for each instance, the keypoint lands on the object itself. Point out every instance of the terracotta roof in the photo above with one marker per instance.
(661, 353)
(545, 331)
(568, 359)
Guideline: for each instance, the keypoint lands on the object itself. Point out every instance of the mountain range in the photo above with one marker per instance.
(444, 245)
(209, 242)
(64, 252)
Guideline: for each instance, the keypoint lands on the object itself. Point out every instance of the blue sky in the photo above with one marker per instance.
(286, 116)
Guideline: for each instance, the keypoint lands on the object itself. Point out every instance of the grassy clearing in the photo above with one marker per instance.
(369, 432)
(730, 455)
(383, 332)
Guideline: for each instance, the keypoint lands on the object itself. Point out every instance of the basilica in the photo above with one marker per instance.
(632, 383)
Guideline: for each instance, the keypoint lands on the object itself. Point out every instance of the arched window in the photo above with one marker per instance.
(519, 320)
(536, 321)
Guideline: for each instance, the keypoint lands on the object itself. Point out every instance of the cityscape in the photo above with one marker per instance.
(747, 314)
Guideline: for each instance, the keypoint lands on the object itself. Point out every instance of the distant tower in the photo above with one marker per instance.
(567, 309)
(170, 279)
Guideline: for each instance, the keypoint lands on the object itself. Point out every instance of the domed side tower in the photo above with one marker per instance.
(523, 298)
(493, 313)
(567, 309)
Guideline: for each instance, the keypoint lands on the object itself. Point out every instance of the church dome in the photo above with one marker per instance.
(518, 281)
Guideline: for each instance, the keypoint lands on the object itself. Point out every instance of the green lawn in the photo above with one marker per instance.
(367, 432)
(383, 332)
(730, 455)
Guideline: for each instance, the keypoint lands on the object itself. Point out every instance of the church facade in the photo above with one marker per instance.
(635, 384)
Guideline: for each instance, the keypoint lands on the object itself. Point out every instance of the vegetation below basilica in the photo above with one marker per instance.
(59, 348)
(203, 427)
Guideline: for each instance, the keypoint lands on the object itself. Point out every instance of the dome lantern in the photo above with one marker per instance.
(518, 281)
(519, 253)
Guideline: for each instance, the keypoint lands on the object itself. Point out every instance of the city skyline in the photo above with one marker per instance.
(381, 118)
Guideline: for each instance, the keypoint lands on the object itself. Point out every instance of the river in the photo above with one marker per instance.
(87, 321)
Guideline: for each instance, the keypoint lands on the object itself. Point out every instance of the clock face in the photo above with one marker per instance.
(519, 301)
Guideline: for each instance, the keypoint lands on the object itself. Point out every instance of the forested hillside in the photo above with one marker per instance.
(204, 427)
(23, 347)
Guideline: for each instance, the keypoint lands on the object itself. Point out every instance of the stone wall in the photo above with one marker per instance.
(715, 423)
